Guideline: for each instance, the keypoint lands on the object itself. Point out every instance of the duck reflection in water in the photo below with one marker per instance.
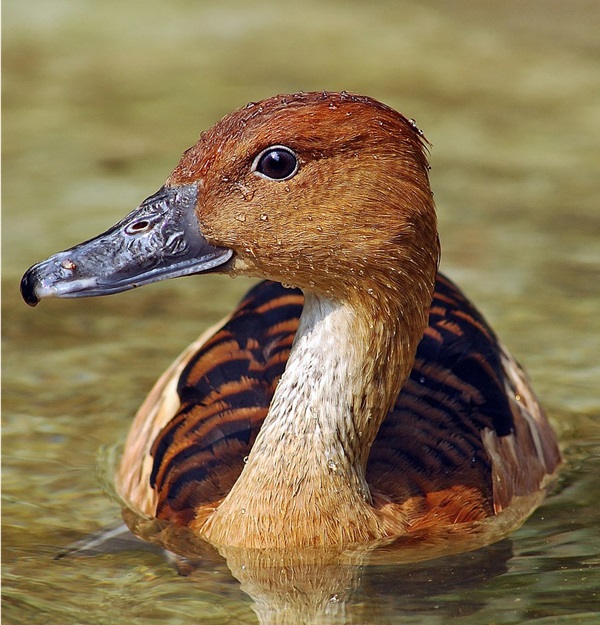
(421, 575)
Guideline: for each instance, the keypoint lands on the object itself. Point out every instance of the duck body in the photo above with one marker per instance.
(371, 402)
(464, 437)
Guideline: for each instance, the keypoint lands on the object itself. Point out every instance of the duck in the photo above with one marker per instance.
(355, 394)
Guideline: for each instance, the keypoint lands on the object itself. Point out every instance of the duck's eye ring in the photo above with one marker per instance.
(276, 163)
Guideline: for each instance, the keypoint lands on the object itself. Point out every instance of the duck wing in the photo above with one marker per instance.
(189, 439)
(466, 434)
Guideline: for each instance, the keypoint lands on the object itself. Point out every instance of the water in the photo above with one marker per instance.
(99, 102)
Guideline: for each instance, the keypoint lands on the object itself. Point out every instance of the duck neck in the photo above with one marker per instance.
(307, 466)
(346, 367)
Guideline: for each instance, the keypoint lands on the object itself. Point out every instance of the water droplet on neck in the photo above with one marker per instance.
(241, 216)
(264, 217)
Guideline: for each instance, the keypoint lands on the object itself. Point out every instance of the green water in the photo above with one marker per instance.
(100, 99)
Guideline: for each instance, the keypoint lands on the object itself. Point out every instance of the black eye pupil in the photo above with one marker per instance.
(277, 163)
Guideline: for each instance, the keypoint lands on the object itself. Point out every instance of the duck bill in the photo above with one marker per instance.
(160, 239)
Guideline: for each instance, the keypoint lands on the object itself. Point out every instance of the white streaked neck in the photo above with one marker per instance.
(304, 481)
(312, 413)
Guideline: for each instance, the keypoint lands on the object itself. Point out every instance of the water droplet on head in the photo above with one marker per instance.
(264, 217)
(319, 229)
(241, 217)
(332, 465)
(416, 128)
(245, 459)
(246, 192)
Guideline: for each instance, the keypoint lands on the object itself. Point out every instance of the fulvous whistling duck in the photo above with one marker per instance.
(367, 398)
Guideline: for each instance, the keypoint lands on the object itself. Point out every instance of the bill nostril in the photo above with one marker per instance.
(138, 226)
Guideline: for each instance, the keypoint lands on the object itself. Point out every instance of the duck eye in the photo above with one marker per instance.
(276, 163)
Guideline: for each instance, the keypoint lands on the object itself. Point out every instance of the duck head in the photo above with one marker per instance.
(325, 191)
